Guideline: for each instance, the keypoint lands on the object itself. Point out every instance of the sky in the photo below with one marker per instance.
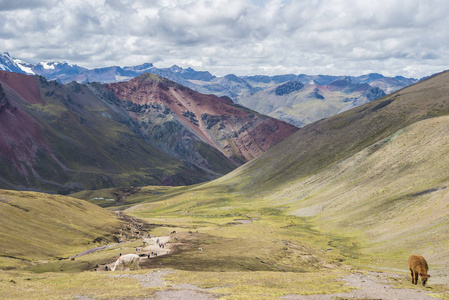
(243, 37)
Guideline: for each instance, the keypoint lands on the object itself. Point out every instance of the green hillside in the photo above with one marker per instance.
(37, 226)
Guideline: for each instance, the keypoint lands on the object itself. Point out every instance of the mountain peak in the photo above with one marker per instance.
(234, 78)
(171, 112)
(341, 81)
(7, 63)
(374, 76)
(154, 78)
(142, 67)
(175, 68)
(150, 77)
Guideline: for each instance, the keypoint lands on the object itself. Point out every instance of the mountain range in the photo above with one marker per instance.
(313, 97)
(149, 130)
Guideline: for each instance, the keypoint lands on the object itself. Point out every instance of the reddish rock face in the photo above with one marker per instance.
(24, 85)
(239, 133)
(20, 135)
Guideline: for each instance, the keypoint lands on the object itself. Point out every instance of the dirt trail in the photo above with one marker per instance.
(152, 247)
(89, 251)
(370, 286)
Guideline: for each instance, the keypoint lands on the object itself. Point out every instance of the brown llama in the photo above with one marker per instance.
(418, 267)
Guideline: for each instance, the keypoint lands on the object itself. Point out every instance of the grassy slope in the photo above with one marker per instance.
(37, 226)
(392, 193)
(386, 157)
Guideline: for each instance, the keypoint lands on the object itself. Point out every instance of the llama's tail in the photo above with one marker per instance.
(115, 265)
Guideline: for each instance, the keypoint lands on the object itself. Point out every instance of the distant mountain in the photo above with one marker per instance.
(65, 138)
(324, 142)
(254, 92)
(7, 63)
(300, 104)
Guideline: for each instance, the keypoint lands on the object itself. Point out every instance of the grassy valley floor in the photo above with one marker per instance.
(256, 257)
(220, 246)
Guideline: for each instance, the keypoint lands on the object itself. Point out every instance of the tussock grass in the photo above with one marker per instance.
(98, 285)
(262, 285)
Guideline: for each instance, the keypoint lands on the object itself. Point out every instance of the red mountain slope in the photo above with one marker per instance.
(23, 85)
(65, 138)
(239, 133)
(21, 135)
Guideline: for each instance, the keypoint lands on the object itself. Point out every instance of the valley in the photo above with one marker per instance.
(334, 210)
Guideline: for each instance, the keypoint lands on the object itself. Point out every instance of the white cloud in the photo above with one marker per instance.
(394, 37)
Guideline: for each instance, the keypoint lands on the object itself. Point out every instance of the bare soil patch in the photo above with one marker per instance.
(150, 279)
(184, 292)
(370, 286)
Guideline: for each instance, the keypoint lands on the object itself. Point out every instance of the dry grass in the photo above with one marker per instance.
(50, 285)
(262, 284)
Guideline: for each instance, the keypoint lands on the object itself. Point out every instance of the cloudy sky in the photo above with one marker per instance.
(243, 37)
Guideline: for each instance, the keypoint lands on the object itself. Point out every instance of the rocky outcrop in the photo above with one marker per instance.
(315, 94)
(288, 87)
(373, 94)
(3, 101)
(210, 121)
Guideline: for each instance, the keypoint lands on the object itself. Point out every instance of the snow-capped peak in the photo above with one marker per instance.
(7, 63)
(25, 67)
(48, 65)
